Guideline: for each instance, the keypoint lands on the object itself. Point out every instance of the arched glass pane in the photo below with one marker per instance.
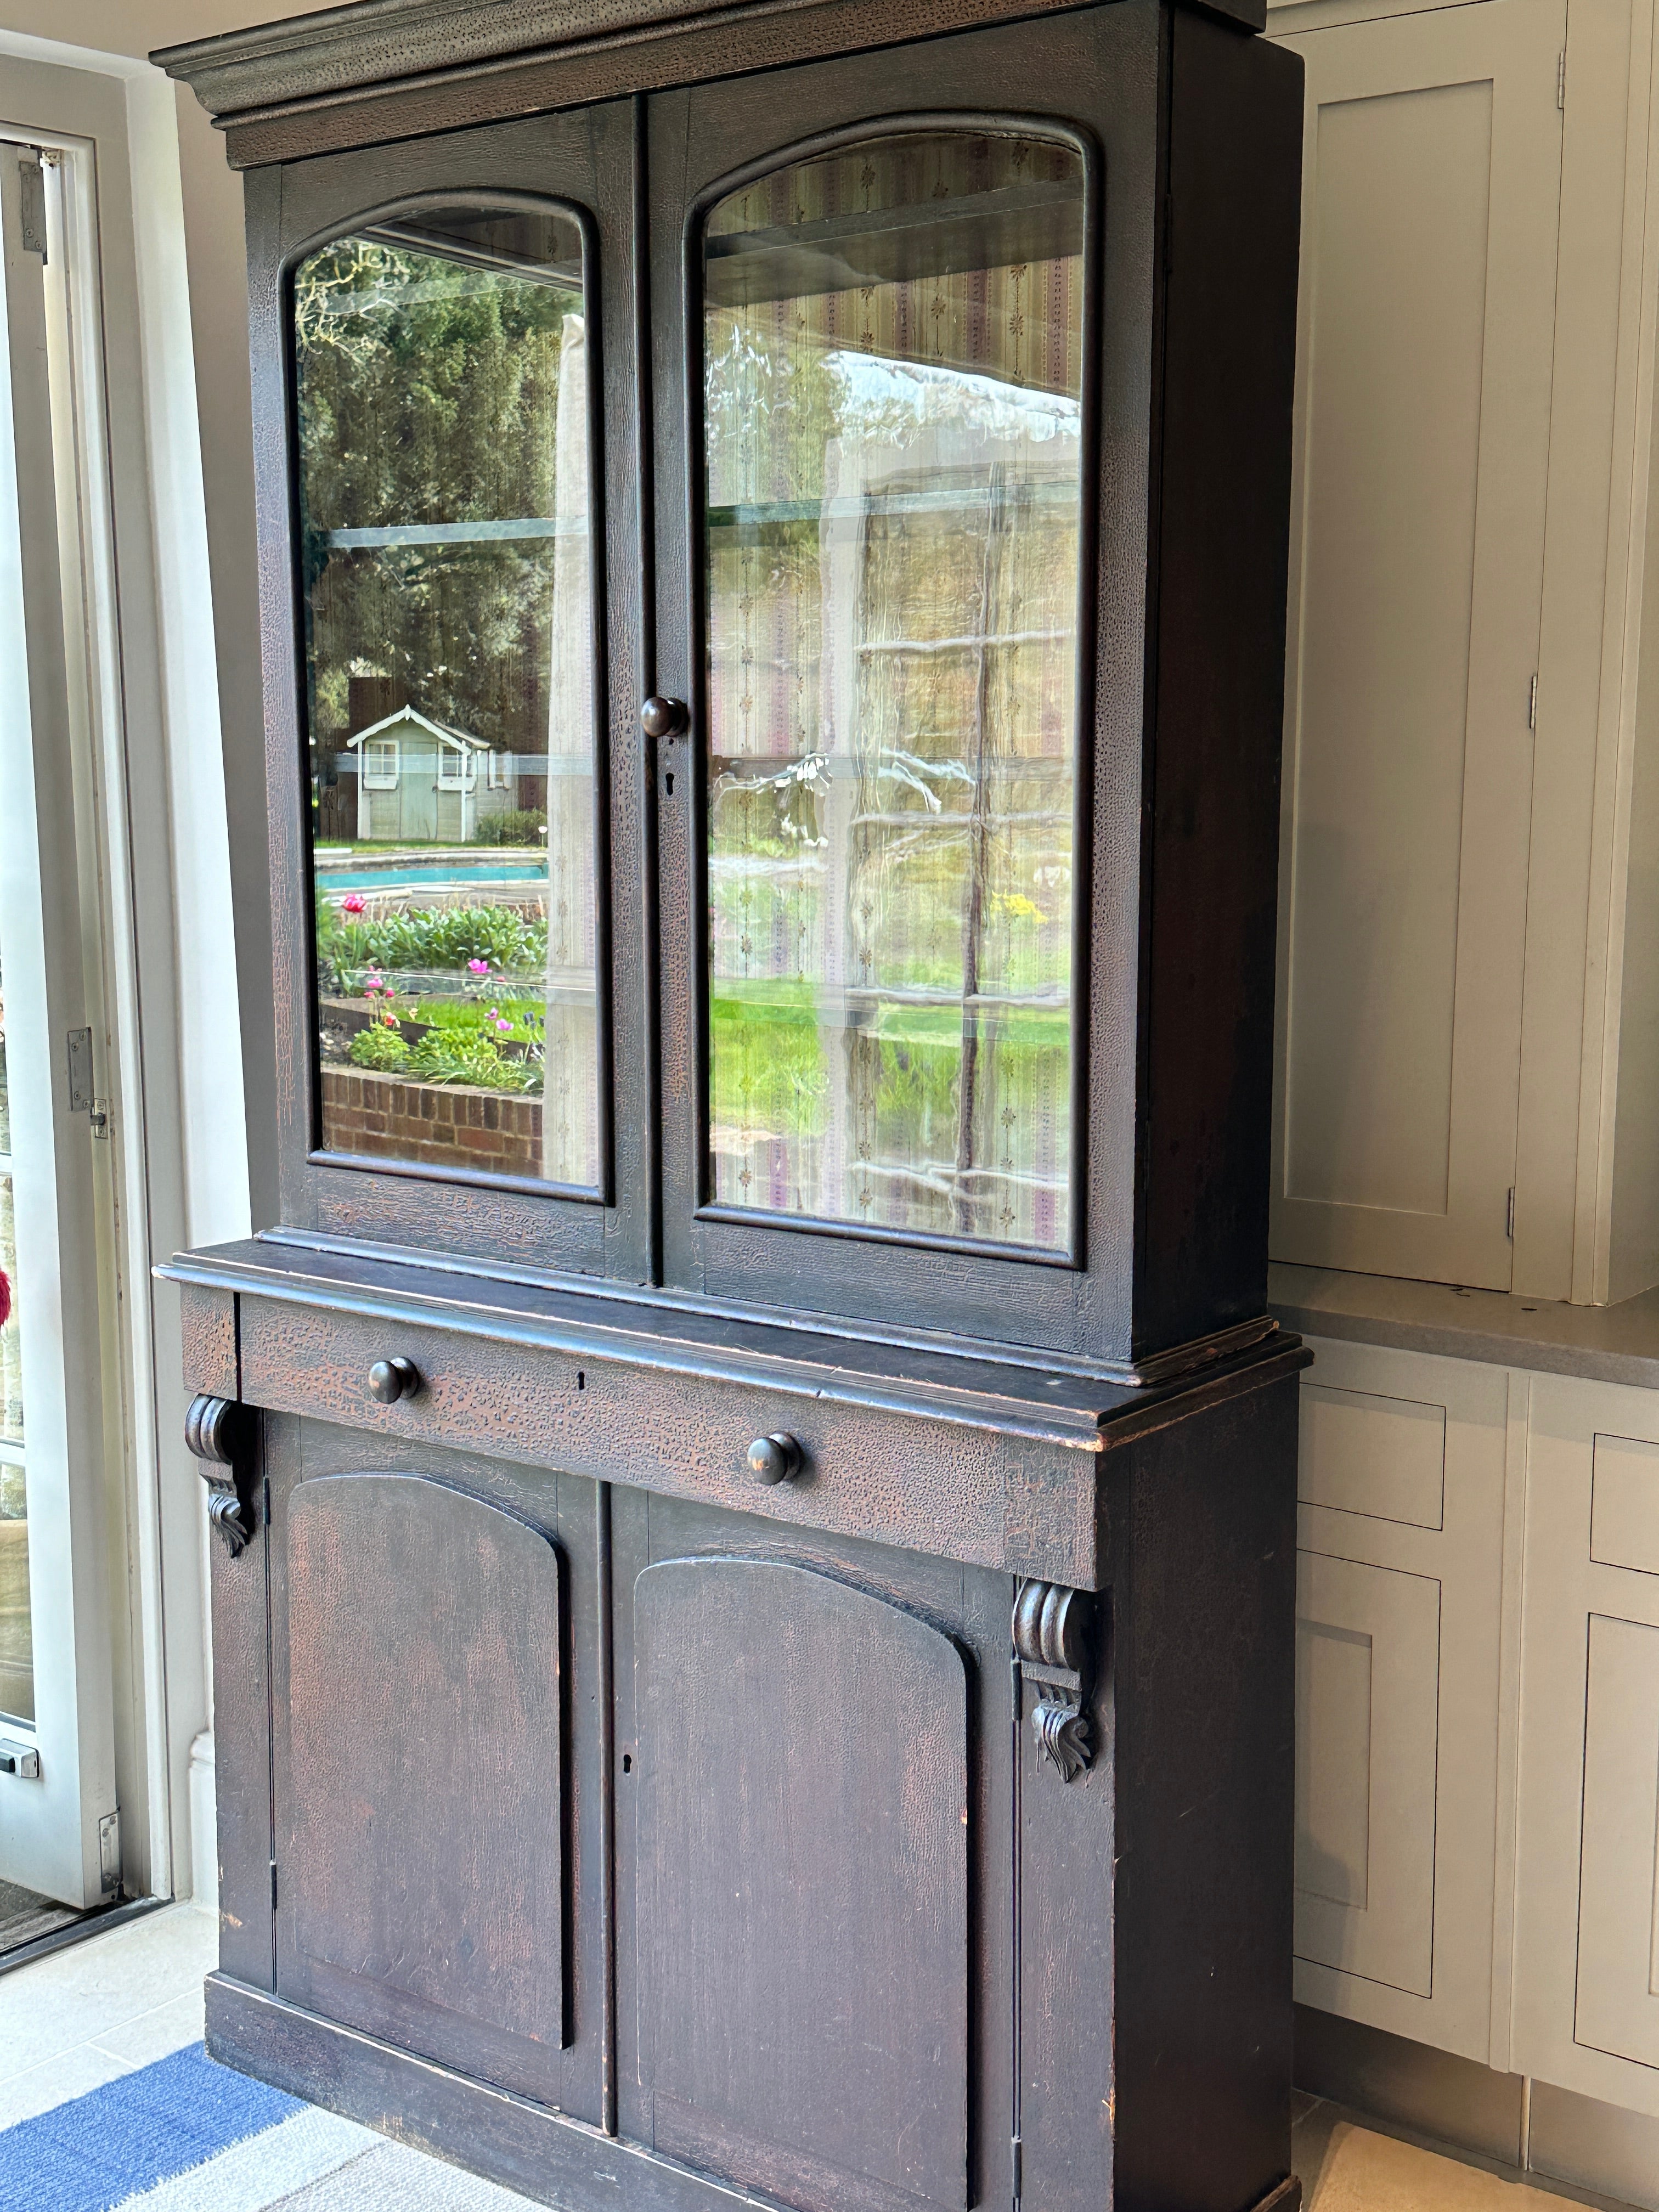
(444, 464)
(893, 339)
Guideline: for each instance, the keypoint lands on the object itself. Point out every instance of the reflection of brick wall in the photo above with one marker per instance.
(433, 1124)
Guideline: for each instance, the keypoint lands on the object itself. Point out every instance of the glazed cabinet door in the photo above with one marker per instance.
(444, 351)
(432, 1633)
(814, 1880)
(887, 346)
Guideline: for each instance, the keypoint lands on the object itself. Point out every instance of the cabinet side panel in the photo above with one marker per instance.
(241, 1731)
(1224, 490)
(1203, 1709)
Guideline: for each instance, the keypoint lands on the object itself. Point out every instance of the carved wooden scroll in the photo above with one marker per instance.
(219, 1432)
(1054, 1643)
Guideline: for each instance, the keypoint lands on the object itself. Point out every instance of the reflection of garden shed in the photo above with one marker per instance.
(418, 779)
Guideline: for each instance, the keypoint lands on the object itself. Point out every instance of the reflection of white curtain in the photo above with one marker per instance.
(934, 617)
(570, 1133)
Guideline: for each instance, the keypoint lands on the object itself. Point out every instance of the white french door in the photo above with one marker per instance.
(59, 1825)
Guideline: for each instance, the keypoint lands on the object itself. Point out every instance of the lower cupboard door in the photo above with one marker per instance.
(419, 1819)
(803, 1857)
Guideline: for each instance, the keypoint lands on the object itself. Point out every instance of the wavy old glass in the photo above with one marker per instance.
(893, 339)
(444, 467)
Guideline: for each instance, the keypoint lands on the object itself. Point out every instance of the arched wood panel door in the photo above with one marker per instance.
(421, 1839)
(802, 1884)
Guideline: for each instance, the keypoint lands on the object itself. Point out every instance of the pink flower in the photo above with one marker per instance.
(479, 967)
(352, 902)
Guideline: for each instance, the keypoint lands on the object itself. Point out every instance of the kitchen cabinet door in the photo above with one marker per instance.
(1430, 187)
(1399, 1637)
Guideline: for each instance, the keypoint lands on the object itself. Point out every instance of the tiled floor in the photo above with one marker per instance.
(1348, 2167)
(83, 2016)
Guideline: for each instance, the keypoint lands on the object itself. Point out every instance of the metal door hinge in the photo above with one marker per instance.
(82, 1097)
(1531, 705)
(1509, 1217)
(1561, 79)
(109, 1852)
(273, 1884)
(1017, 2159)
(21, 1759)
(32, 205)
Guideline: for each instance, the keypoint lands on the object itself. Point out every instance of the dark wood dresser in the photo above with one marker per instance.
(753, 1623)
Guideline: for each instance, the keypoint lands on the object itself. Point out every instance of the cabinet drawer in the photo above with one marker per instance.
(958, 1487)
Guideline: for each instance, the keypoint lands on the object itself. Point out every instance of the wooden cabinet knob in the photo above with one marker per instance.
(392, 1379)
(662, 718)
(775, 1458)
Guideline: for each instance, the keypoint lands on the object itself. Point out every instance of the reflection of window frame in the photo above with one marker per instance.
(500, 771)
(382, 779)
(457, 771)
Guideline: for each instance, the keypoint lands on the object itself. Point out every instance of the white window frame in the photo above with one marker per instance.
(457, 771)
(501, 770)
(382, 779)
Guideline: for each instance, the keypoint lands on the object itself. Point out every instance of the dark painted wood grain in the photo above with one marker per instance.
(545, 2155)
(436, 45)
(1223, 493)
(803, 1779)
(1067, 1833)
(208, 1323)
(422, 1832)
(564, 1505)
(1097, 71)
(240, 1602)
(1204, 1587)
(584, 160)
(969, 1492)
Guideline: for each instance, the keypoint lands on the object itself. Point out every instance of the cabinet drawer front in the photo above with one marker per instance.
(972, 1493)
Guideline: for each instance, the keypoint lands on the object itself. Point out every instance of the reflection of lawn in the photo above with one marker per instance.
(525, 1017)
(769, 1069)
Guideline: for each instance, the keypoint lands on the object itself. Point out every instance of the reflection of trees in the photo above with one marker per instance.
(428, 391)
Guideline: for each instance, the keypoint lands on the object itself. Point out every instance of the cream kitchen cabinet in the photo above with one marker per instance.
(1469, 1068)
(1587, 1979)
(1399, 1644)
(1478, 1719)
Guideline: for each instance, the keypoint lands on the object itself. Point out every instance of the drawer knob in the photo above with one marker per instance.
(662, 718)
(775, 1458)
(392, 1379)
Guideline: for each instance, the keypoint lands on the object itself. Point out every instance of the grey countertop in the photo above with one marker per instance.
(1604, 1344)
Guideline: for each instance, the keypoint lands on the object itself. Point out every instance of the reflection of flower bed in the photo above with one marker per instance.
(438, 1042)
(430, 1124)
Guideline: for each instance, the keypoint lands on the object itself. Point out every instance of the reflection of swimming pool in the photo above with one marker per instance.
(411, 874)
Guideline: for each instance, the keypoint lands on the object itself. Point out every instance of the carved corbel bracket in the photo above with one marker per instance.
(219, 1432)
(1054, 1643)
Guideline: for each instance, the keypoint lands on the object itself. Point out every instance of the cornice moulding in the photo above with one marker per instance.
(379, 43)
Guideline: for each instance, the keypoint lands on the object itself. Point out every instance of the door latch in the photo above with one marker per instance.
(21, 1759)
(82, 1099)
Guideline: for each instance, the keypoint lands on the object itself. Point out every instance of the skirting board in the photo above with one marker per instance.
(542, 2154)
(1527, 2127)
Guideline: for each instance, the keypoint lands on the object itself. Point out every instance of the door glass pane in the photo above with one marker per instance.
(16, 1635)
(893, 365)
(444, 463)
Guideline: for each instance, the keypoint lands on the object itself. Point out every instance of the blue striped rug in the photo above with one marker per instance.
(114, 2143)
(187, 2136)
